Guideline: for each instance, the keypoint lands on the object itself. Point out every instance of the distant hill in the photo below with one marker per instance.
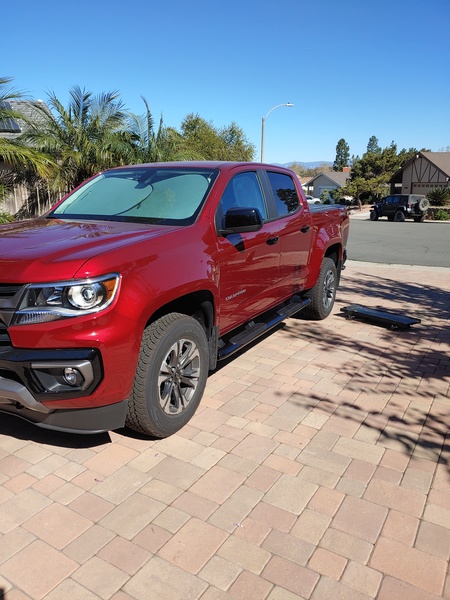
(309, 165)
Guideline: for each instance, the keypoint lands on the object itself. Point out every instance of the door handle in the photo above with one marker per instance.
(272, 241)
(305, 228)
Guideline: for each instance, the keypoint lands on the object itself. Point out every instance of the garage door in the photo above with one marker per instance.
(423, 188)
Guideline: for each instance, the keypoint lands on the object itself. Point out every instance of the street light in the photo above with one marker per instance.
(262, 126)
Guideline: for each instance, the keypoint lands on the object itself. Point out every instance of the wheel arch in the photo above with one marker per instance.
(200, 305)
(195, 303)
(338, 256)
(334, 252)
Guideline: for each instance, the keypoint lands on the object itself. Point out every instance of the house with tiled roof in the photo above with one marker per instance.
(325, 182)
(422, 173)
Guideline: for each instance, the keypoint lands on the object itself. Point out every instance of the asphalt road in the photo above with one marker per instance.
(424, 244)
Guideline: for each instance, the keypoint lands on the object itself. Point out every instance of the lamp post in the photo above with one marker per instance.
(263, 123)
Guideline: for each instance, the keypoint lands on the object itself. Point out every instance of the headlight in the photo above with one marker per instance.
(51, 301)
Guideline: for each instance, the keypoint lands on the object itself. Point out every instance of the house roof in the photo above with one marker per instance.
(338, 178)
(441, 160)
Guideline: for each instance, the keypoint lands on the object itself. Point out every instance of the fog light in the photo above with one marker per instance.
(73, 377)
(58, 377)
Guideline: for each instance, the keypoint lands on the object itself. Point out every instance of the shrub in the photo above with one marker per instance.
(5, 218)
(439, 196)
(441, 215)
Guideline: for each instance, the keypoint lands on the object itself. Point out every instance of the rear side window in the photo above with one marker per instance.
(285, 193)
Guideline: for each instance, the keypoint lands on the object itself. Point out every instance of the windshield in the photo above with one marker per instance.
(166, 196)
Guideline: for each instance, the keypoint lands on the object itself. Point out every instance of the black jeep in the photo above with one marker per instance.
(400, 207)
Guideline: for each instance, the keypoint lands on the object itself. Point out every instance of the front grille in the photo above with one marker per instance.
(8, 290)
(4, 336)
(10, 295)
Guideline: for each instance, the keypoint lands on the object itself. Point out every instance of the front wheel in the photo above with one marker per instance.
(373, 215)
(322, 295)
(170, 377)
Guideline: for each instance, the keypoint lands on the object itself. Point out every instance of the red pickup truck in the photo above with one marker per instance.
(116, 304)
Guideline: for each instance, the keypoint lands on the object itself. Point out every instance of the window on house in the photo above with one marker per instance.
(7, 125)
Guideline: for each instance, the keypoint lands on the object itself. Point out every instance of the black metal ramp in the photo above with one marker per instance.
(380, 317)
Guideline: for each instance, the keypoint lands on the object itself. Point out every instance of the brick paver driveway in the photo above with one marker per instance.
(316, 467)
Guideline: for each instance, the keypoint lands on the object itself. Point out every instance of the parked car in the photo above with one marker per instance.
(116, 304)
(399, 207)
(312, 200)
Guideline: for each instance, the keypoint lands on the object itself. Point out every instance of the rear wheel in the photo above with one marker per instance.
(170, 377)
(399, 216)
(322, 295)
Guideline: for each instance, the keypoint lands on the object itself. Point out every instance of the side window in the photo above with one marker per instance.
(242, 191)
(285, 193)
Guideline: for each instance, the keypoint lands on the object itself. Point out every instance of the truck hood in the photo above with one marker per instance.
(49, 246)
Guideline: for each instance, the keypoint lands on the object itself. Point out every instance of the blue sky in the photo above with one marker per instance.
(352, 68)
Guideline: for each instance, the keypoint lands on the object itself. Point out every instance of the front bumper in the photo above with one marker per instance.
(84, 420)
(31, 379)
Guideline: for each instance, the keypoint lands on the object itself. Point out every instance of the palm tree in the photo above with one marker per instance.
(13, 152)
(150, 145)
(88, 136)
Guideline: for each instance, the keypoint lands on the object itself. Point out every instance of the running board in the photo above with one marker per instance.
(254, 330)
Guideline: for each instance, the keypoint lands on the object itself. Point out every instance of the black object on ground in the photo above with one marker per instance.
(381, 317)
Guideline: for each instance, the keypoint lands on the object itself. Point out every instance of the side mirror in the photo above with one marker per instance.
(241, 220)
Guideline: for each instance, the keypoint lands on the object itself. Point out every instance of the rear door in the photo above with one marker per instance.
(294, 232)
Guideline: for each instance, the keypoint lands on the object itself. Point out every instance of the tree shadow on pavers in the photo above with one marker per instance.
(424, 301)
(17, 427)
(394, 354)
(379, 366)
(388, 429)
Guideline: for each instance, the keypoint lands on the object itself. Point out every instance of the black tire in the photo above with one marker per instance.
(170, 377)
(420, 219)
(323, 294)
(423, 204)
(399, 216)
(373, 215)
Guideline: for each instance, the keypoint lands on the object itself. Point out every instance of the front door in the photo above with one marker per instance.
(248, 262)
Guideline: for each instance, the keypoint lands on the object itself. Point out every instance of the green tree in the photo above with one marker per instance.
(208, 143)
(372, 145)
(342, 155)
(151, 144)
(370, 174)
(14, 152)
(236, 145)
(88, 136)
